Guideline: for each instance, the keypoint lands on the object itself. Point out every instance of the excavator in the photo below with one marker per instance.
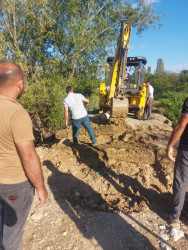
(125, 91)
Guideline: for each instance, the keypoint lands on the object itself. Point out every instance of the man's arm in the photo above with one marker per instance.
(32, 168)
(66, 114)
(177, 132)
(85, 100)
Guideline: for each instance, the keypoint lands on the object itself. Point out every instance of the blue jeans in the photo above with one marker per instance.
(76, 124)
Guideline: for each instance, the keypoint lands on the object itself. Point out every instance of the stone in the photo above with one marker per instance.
(36, 216)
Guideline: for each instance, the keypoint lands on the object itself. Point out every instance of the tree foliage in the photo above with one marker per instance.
(70, 32)
(44, 101)
(172, 102)
(59, 42)
(170, 89)
(160, 66)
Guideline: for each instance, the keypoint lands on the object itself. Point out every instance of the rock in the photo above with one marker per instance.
(36, 216)
(163, 235)
(76, 194)
(104, 118)
(34, 235)
(162, 227)
(63, 133)
(176, 234)
(165, 246)
(111, 162)
(64, 233)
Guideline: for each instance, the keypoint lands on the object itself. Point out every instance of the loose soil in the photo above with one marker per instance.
(113, 195)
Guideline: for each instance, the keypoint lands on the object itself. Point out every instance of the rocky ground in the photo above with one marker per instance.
(113, 195)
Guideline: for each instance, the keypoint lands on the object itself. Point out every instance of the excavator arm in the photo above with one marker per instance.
(118, 69)
(119, 64)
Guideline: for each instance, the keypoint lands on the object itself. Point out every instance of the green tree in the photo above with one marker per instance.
(160, 66)
(172, 102)
(60, 42)
(149, 70)
(161, 84)
(35, 33)
(24, 28)
(182, 83)
(89, 26)
(184, 76)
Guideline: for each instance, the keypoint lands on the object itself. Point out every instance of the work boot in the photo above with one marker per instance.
(173, 223)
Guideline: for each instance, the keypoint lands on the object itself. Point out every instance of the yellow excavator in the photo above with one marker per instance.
(125, 91)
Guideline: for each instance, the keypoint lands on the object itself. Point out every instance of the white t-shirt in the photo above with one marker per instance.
(150, 90)
(75, 104)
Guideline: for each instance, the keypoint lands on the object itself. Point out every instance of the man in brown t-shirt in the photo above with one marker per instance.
(20, 168)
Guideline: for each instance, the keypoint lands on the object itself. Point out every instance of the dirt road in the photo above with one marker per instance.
(115, 195)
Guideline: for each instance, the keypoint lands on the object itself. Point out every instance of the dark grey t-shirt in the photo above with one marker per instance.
(184, 137)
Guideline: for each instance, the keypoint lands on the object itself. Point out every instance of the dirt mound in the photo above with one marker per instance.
(127, 172)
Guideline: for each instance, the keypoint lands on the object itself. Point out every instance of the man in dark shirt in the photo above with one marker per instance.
(180, 182)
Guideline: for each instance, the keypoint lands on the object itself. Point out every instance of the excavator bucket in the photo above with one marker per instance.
(119, 107)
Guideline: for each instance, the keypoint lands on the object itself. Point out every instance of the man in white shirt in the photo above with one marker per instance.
(149, 101)
(75, 104)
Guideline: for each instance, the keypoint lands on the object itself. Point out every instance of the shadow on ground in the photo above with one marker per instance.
(83, 205)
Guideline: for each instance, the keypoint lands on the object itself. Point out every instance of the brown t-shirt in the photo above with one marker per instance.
(15, 126)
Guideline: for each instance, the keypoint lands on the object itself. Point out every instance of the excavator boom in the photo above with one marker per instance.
(120, 61)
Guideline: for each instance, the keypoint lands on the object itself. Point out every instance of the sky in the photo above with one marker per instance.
(169, 42)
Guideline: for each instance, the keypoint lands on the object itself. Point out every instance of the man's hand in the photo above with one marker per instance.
(66, 124)
(176, 134)
(42, 195)
(169, 152)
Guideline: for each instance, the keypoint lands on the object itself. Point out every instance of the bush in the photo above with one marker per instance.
(171, 104)
(43, 99)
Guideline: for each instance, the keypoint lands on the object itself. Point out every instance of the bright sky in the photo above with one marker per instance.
(170, 42)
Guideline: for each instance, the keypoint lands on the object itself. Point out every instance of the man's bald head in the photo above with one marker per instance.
(10, 73)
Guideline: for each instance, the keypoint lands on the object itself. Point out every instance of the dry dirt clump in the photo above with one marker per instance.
(113, 195)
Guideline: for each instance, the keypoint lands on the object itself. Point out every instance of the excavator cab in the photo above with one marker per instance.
(134, 75)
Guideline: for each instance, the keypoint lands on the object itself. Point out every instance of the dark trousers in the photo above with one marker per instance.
(15, 203)
(76, 124)
(147, 110)
(180, 183)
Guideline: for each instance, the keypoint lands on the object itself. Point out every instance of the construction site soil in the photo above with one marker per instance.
(113, 195)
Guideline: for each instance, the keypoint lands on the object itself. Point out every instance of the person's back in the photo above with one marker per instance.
(76, 106)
